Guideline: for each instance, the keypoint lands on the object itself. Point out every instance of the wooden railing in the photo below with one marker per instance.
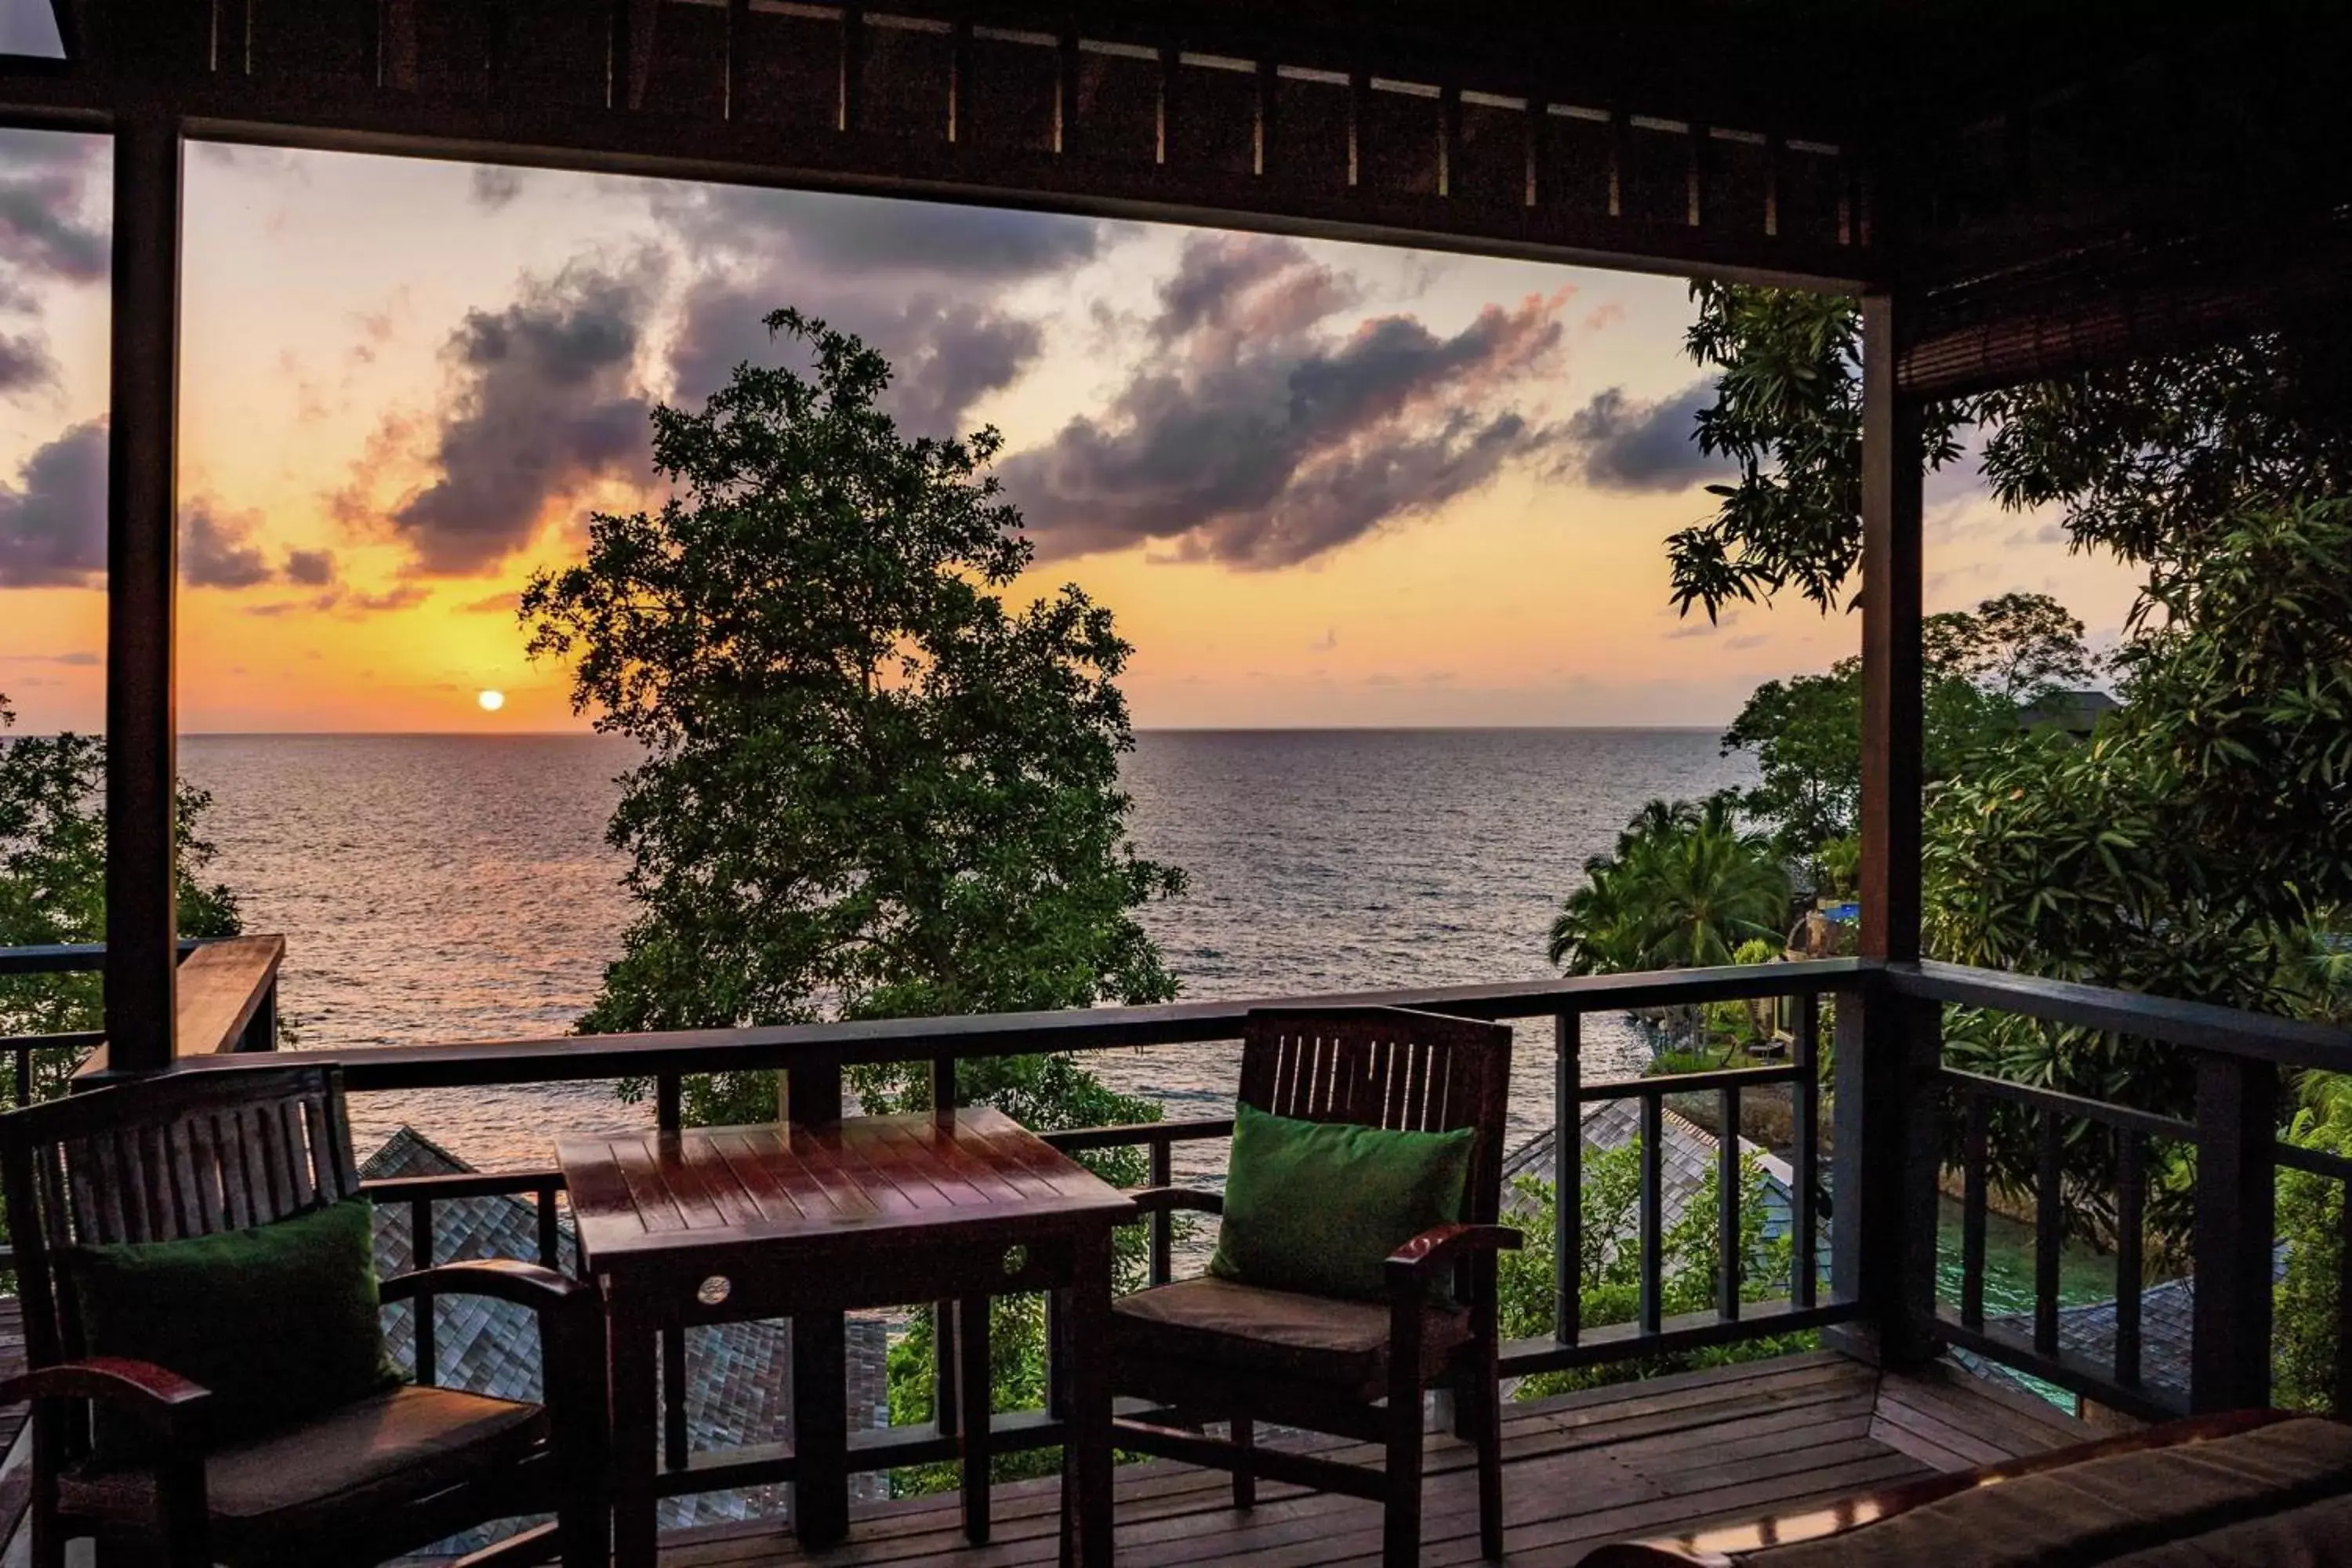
(1891, 1099)
(2232, 1130)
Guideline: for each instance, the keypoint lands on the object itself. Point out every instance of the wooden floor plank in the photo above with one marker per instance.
(1608, 1464)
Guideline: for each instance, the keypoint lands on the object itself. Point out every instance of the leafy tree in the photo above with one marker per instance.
(871, 787)
(2016, 647)
(1686, 886)
(1983, 667)
(53, 880)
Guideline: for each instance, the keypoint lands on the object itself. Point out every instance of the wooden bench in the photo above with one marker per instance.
(1812, 1536)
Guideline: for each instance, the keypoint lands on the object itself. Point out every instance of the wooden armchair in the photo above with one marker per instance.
(187, 1154)
(1216, 1349)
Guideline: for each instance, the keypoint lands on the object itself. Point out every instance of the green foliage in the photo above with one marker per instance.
(871, 788)
(2311, 1225)
(1686, 886)
(53, 880)
(1788, 410)
(2152, 461)
(1609, 1267)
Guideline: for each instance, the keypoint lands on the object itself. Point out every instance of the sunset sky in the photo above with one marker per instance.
(1320, 484)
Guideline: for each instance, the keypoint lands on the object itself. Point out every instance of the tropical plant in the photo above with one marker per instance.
(1686, 886)
(871, 787)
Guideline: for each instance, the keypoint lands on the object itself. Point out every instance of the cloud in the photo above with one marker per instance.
(50, 184)
(1263, 432)
(1627, 446)
(80, 658)
(925, 284)
(492, 605)
(216, 552)
(24, 364)
(310, 568)
(1753, 639)
(1696, 626)
(47, 183)
(546, 401)
(495, 185)
(53, 518)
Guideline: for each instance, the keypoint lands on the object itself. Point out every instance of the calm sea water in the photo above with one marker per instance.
(456, 888)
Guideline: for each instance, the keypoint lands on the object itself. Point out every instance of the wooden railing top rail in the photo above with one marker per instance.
(222, 987)
(565, 1057)
(2199, 1025)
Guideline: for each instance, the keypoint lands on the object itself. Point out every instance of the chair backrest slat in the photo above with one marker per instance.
(161, 1159)
(1387, 1066)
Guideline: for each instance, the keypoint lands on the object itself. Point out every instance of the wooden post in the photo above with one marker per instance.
(1884, 1230)
(1892, 667)
(2237, 1132)
(1883, 1175)
(142, 577)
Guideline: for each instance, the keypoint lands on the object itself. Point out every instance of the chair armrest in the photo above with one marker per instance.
(1161, 1200)
(1440, 1246)
(528, 1285)
(157, 1397)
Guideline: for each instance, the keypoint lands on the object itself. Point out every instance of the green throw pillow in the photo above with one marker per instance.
(279, 1321)
(1317, 1207)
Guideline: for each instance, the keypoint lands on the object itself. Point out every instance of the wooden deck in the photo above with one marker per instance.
(1638, 1459)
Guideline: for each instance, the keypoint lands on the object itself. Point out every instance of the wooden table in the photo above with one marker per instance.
(719, 1225)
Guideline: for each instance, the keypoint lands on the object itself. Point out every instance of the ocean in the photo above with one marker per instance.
(437, 888)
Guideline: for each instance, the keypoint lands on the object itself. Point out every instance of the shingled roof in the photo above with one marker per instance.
(1688, 1154)
(738, 1375)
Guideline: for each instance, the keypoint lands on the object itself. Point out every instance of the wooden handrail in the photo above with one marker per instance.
(224, 990)
(574, 1058)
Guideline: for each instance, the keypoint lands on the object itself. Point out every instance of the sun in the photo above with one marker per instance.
(491, 701)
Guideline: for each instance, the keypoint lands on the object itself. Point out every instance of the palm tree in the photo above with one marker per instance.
(1686, 887)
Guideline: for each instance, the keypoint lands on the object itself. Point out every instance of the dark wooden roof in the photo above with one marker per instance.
(2056, 185)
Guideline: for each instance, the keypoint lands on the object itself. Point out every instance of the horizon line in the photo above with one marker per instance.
(1708, 727)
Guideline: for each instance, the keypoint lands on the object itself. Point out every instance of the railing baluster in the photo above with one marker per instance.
(549, 1237)
(420, 1258)
(1974, 1201)
(1804, 1119)
(2340, 1394)
(1653, 1122)
(2131, 1197)
(1163, 1221)
(673, 1348)
(1730, 1263)
(669, 1095)
(947, 1384)
(2048, 1222)
(1567, 1179)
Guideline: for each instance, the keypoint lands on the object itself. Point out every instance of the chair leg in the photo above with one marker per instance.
(1244, 1473)
(1401, 1521)
(1479, 1421)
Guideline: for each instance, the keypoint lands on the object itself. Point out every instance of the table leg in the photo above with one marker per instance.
(972, 1373)
(820, 1428)
(635, 1435)
(1087, 1455)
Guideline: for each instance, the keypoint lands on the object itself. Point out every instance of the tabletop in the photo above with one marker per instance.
(663, 1192)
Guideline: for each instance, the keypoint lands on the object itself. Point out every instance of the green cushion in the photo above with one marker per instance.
(280, 1323)
(1317, 1207)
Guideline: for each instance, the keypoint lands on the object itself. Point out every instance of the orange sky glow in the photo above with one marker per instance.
(405, 383)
